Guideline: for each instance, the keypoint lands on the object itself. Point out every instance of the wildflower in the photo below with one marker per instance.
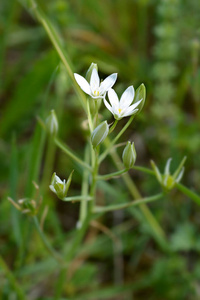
(96, 89)
(59, 187)
(122, 108)
(167, 180)
(129, 155)
(99, 134)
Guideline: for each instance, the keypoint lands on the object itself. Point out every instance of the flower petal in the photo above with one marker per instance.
(107, 83)
(108, 105)
(94, 79)
(127, 97)
(130, 112)
(113, 98)
(82, 82)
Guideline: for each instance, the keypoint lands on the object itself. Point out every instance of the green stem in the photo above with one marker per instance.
(111, 175)
(189, 193)
(106, 152)
(9, 275)
(156, 229)
(49, 248)
(144, 170)
(113, 126)
(99, 209)
(94, 177)
(78, 198)
(84, 189)
(89, 116)
(53, 35)
(69, 152)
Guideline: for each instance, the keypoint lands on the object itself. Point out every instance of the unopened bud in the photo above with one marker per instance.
(140, 94)
(99, 134)
(89, 71)
(52, 123)
(129, 155)
(59, 187)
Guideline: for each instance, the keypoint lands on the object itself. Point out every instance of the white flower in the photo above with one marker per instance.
(122, 108)
(96, 89)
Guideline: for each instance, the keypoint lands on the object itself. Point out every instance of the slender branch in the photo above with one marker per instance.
(99, 209)
(53, 35)
(111, 175)
(144, 170)
(192, 195)
(69, 152)
(78, 198)
(113, 126)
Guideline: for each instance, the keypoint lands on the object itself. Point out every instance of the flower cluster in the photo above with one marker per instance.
(124, 107)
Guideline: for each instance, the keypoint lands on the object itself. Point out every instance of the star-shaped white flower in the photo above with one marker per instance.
(96, 89)
(122, 108)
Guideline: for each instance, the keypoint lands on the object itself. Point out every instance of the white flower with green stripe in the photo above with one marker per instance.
(123, 107)
(95, 88)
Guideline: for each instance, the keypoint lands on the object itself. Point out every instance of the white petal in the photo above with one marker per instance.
(127, 97)
(94, 79)
(130, 112)
(180, 175)
(108, 105)
(113, 98)
(133, 106)
(82, 82)
(108, 83)
(166, 172)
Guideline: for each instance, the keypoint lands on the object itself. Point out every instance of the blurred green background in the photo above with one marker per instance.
(152, 42)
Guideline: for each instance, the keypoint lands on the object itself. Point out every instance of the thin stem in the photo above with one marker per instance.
(99, 209)
(84, 189)
(106, 152)
(144, 170)
(111, 175)
(94, 177)
(53, 35)
(89, 116)
(49, 248)
(78, 198)
(69, 152)
(155, 226)
(113, 126)
(192, 195)
(9, 275)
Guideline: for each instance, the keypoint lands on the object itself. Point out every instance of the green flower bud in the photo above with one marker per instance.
(52, 123)
(59, 187)
(140, 93)
(89, 71)
(99, 134)
(129, 155)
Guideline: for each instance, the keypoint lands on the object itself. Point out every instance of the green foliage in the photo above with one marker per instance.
(125, 259)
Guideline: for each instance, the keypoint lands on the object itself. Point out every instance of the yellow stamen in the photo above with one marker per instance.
(119, 110)
(96, 93)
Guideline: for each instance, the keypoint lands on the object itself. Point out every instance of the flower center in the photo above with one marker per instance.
(119, 110)
(96, 93)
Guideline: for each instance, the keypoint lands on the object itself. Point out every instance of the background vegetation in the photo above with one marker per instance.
(149, 41)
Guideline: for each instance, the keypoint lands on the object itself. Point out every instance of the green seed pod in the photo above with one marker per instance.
(52, 123)
(99, 134)
(129, 155)
(140, 93)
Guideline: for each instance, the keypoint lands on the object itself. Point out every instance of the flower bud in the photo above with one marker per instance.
(99, 134)
(89, 71)
(52, 123)
(59, 187)
(140, 94)
(129, 155)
